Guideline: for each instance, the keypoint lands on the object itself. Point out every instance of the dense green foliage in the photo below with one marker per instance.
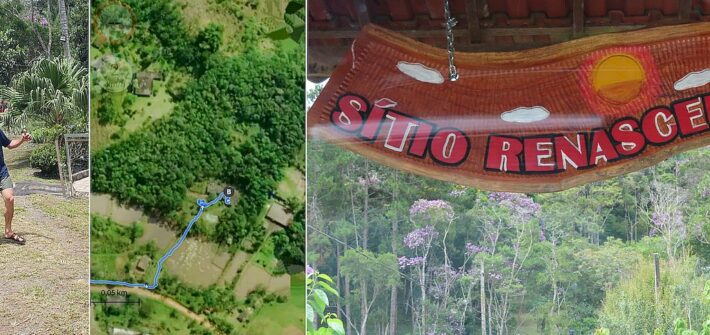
(290, 243)
(44, 158)
(202, 300)
(241, 229)
(630, 307)
(23, 40)
(52, 92)
(108, 237)
(111, 109)
(579, 259)
(43, 93)
(153, 168)
(11, 61)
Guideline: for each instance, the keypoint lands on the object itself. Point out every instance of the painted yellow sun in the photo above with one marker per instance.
(618, 78)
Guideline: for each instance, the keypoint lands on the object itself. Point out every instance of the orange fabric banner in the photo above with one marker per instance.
(530, 121)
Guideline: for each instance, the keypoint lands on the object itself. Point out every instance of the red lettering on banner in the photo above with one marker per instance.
(381, 125)
(373, 123)
(539, 154)
(400, 129)
(601, 148)
(421, 139)
(503, 154)
(450, 146)
(692, 116)
(572, 153)
(348, 115)
(630, 139)
(659, 125)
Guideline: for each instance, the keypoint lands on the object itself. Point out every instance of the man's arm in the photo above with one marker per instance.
(17, 142)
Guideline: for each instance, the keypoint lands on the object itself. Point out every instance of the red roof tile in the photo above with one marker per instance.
(499, 24)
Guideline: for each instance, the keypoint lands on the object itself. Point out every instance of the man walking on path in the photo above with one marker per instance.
(6, 185)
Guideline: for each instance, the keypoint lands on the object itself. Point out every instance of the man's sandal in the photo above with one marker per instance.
(16, 238)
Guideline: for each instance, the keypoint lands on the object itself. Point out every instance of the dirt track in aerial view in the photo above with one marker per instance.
(44, 284)
(167, 301)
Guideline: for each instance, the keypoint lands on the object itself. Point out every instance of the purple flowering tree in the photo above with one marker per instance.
(509, 219)
(434, 280)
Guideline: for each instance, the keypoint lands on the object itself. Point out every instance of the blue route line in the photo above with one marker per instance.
(170, 252)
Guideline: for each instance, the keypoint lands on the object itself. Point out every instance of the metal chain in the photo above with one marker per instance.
(450, 23)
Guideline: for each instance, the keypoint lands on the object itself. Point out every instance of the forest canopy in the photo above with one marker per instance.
(466, 260)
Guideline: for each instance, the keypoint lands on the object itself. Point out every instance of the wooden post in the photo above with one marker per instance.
(59, 162)
(483, 300)
(363, 15)
(657, 277)
(70, 175)
(577, 18)
(685, 7)
(474, 26)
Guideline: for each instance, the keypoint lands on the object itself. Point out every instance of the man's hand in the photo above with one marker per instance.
(26, 137)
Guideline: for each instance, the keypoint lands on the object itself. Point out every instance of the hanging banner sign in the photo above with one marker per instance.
(531, 121)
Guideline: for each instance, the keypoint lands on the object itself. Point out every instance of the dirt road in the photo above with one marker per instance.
(167, 301)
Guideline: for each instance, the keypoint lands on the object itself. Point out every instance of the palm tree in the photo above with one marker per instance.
(64, 23)
(54, 91)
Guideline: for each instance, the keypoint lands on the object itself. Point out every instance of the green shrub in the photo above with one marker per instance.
(46, 134)
(44, 158)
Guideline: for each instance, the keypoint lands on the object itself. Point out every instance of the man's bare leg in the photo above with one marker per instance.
(8, 195)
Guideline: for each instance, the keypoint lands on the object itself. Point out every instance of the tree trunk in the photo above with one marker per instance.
(393, 293)
(348, 312)
(363, 321)
(337, 283)
(365, 238)
(483, 300)
(49, 29)
(363, 309)
(393, 312)
(64, 23)
(412, 310)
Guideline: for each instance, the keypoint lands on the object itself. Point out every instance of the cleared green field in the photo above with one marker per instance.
(293, 185)
(149, 109)
(282, 318)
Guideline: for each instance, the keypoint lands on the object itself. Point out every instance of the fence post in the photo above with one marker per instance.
(70, 176)
(59, 162)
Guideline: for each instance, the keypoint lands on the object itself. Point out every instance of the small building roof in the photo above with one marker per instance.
(121, 331)
(144, 85)
(278, 214)
(143, 263)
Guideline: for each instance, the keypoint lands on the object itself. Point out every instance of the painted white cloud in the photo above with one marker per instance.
(386, 103)
(693, 80)
(526, 114)
(421, 72)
